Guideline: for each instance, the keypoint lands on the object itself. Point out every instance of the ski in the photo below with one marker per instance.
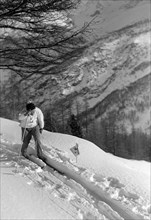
(42, 163)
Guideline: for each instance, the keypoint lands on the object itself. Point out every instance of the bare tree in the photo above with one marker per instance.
(37, 36)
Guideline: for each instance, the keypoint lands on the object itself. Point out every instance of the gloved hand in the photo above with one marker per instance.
(41, 129)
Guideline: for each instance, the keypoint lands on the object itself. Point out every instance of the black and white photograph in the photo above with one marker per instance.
(75, 109)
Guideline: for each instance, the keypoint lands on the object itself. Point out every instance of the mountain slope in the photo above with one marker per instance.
(114, 63)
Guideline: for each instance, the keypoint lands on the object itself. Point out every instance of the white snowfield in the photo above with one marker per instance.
(96, 185)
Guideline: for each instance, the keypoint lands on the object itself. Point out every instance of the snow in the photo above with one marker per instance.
(102, 186)
(143, 39)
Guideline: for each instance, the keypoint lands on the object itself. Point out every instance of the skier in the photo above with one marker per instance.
(32, 124)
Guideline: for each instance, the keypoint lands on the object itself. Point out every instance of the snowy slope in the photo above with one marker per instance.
(112, 187)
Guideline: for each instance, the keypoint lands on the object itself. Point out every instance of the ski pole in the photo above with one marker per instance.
(23, 135)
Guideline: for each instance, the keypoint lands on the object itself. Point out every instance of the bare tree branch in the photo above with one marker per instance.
(35, 37)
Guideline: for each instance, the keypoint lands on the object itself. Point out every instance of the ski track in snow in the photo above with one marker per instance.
(63, 190)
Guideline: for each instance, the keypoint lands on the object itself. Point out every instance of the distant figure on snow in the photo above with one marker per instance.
(75, 128)
(32, 124)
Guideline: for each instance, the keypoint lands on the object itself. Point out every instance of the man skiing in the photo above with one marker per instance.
(32, 124)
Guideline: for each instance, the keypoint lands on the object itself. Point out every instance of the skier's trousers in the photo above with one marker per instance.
(28, 134)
